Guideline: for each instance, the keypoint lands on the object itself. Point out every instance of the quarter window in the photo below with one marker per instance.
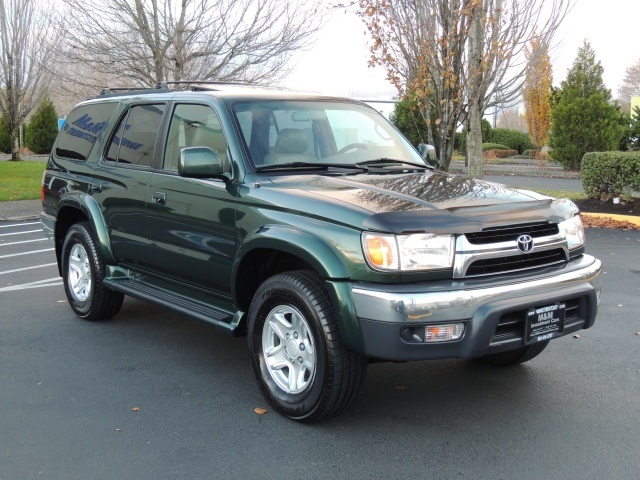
(83, 127)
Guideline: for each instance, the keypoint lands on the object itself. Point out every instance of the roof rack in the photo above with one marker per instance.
(164, 86)
(202, 84)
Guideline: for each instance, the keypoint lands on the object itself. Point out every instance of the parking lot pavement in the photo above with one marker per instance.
(152, 394)
(27, 258)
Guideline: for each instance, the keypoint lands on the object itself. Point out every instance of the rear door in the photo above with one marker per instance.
(121, 179)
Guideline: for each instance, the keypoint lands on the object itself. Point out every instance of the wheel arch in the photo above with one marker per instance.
(79, 207)
(275, 249)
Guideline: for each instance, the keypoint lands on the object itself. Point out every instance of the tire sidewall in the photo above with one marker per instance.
(78, 234)
(277, 292)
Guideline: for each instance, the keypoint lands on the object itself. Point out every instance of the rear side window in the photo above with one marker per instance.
(134, 142)
(83, 127)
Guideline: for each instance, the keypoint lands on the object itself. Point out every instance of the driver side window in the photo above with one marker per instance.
(194, 126)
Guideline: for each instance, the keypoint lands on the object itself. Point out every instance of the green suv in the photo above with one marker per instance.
(310, 225)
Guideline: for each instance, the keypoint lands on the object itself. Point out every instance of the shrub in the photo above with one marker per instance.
(43, 128)
(487, 135)
(514, 139)
(606, 175)
(494, 146)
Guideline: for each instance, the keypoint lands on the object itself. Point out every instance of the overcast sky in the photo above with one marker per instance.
(337, 64)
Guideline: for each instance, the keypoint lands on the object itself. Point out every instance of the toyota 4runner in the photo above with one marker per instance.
(310, 225)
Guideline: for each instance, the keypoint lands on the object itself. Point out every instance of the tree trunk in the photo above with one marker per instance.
(474, 141)
(475, 74)
(15, 151)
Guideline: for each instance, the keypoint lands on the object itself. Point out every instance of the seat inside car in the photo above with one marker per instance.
(291, 145)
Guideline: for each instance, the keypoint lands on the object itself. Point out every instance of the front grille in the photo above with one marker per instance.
(511, 233)
(492, 266)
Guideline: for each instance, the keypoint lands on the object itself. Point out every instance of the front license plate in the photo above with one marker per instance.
(544, 323)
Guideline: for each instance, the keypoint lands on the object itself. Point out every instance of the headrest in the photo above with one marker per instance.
(292, 140)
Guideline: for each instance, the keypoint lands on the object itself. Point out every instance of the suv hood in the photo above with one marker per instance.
(433, 201)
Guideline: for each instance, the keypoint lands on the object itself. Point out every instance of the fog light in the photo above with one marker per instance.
(443, 333)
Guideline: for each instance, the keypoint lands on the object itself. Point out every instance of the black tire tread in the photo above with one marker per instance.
(346, 369)
(105, 302)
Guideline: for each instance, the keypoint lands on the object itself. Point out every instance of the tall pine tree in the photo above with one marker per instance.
(584, 119)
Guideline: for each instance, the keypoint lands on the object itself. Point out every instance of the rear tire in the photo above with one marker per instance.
(514, 357)
(83, 274)
(299, 361)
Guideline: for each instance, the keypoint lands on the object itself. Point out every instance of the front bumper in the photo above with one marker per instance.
(492, 311)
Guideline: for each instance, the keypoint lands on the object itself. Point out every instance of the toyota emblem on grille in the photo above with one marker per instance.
(525, 243)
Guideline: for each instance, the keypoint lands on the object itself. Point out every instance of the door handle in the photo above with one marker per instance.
(159, 198)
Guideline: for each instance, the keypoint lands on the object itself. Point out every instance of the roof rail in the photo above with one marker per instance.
(117, 90)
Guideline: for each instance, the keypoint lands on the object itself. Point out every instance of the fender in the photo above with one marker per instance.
(88, 205)
(313, 250)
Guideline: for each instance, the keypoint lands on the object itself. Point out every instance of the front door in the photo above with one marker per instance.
(191, 222)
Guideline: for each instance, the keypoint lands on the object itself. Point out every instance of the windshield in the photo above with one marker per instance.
(303, 133)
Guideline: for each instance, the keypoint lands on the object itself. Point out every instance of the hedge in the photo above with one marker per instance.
(494, 146)
(514, 139)
(607, 175)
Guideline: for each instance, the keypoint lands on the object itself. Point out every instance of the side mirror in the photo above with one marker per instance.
(428, 153)
(200, 162)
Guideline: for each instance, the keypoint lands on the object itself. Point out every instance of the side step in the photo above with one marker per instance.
(180, 299)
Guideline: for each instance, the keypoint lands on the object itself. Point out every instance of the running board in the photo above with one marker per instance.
(176, 298)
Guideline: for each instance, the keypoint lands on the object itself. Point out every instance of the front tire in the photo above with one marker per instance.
(299, 361)
(514, 357)
(83, 274)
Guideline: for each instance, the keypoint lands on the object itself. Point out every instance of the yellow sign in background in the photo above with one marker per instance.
(635, 102)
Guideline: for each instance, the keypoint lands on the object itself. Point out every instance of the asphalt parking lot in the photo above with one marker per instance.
(152, 394)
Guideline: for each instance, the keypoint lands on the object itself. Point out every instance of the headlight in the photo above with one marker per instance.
(573, 230)
(421, 251)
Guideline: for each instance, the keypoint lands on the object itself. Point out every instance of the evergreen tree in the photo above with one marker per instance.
(409, 121)
(43, 128)
(584, 119)
(5, 142)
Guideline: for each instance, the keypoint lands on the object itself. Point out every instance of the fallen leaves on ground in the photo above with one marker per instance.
(260, 411)
(136, 409)
(607, 222)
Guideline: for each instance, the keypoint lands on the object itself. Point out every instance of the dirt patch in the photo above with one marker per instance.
(622, 208)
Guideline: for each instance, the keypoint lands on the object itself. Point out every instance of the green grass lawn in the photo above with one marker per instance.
(20, 180)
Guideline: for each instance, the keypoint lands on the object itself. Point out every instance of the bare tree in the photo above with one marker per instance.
(630, 86)
(458, 57)
(141, 42)
(26, 32)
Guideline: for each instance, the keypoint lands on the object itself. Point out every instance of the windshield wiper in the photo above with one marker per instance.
(381, 162)
(311, 165)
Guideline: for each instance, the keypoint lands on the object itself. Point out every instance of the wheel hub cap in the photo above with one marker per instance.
(79, 276)
(288, 349)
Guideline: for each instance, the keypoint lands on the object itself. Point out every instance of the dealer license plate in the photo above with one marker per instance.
(544, 323)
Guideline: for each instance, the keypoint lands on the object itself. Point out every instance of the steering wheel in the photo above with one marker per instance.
(351, 146)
